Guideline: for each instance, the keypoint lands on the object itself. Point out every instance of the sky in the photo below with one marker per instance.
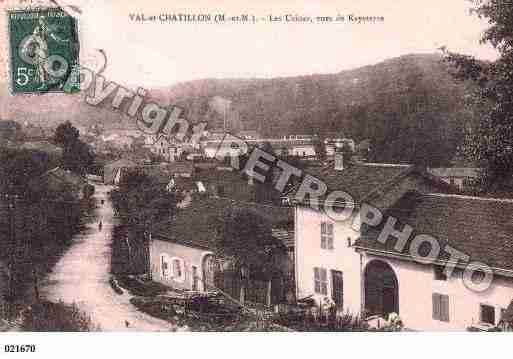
(161, 54)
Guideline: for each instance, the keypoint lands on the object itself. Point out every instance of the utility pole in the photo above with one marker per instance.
(36, 285)
(148, 241)
(11, 207)
(224, 120)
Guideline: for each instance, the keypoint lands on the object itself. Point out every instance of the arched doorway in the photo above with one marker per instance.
(209, 266)
(381, 289)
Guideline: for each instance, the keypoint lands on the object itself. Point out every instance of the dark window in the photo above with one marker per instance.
(177, 268)
(337, 290)
(441, 307)
(440, 273)
(487, 314)
(164, 266)
(503, 313)
(320, 281)
(194, 278)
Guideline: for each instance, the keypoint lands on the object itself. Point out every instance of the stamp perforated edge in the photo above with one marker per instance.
(9, 49)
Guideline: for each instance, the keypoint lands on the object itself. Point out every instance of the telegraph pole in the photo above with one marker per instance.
(11, 207)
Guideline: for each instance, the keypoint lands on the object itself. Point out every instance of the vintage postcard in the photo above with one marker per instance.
(330, 166)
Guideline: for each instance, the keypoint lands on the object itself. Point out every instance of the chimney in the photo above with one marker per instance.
(339, 161)
(339, 156)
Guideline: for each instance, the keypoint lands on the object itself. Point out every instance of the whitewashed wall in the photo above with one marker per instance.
(309, 254)
(417, 284)
(416, 281)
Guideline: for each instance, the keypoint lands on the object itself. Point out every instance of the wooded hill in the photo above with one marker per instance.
(410, 107)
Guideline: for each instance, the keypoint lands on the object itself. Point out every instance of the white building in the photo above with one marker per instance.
(164, 147)
(362, 275)
(463, 178)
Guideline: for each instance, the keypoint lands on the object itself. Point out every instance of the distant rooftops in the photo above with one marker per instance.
(455, 172)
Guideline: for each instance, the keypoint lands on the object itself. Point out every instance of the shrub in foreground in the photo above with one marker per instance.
(47, 316)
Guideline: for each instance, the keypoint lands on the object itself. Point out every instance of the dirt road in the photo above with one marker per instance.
(82, 276)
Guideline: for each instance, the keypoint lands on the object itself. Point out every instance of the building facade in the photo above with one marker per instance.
(345, 262)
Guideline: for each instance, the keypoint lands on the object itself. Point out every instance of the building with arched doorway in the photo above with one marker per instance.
(364, 272)
(381, 289)
(181, 254)
(327, 262)
(396, 254)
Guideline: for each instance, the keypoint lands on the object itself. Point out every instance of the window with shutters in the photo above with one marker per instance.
(440, 273)
(441, 307)
(320, 281)
(487, 314)
(164, 266)
(337, 288)
(195, 278)
(326, 235)
(177, 269)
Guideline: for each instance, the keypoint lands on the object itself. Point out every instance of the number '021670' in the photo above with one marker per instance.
(15, 348)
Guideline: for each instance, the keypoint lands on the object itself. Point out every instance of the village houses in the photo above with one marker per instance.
(347, 263)
(323, 258)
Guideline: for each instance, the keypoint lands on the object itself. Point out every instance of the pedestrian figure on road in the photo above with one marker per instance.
(100, 226)
(103, 201)
(127, 324)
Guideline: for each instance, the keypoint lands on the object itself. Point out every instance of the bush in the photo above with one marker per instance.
(88, 190)
(325, 321)
(47, 316)
(154, 308)
(140, 287)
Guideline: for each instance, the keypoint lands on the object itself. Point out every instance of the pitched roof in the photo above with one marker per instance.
(123, 162)
(249, 133)
(110, 169)
(61, 178)
(165, 171)
(44, 146)
(479, 227)
(467, 172)
(191, 226)
(229, 184)
(179, 167)
(360, 180)
(284, 236)
(65, 176)
(185, 184)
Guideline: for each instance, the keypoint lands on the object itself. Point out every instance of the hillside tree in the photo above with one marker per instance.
(489, 138)
(77, 155)
(244, 238)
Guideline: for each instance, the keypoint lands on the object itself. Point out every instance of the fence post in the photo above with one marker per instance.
(268, 299)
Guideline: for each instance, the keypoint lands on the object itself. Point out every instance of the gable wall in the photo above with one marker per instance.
(417, 284)
(309, 254)
(190, 256)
